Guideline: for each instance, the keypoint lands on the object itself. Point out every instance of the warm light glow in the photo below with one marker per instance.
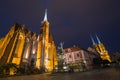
(43, 40)
(33, 51)
(64, 67)
(27, 52)
(85, 62)
(21, 37)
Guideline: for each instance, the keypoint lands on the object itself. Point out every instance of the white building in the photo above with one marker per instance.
(78, 58)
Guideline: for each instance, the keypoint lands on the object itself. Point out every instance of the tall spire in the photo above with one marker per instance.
(92, 40)
(99, 42)
(45, 17)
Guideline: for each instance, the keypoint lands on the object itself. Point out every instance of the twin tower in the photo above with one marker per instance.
(100, 48)
(25, 48)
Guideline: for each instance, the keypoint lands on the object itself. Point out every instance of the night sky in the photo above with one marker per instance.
(71, 21)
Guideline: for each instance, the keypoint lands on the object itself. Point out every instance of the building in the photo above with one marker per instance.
(116, 57)
(25, 48)
(100, 48)
(78, 58)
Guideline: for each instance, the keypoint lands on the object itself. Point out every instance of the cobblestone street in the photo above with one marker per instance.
(101, 74)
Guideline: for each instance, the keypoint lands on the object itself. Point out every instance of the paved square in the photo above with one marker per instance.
(102, 74)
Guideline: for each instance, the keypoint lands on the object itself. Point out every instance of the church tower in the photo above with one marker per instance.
(27, 49)
(100, 48)
(47, 57)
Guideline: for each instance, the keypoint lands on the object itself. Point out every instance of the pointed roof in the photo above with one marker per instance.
(38, 37)
(92, 40)
(45, 17)
(99, 42)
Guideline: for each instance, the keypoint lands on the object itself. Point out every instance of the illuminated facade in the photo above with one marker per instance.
(25, 48)
(77, 56)
(100, 48)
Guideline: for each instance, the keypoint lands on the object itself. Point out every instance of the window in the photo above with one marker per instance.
(78, 55)
(70, 56)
